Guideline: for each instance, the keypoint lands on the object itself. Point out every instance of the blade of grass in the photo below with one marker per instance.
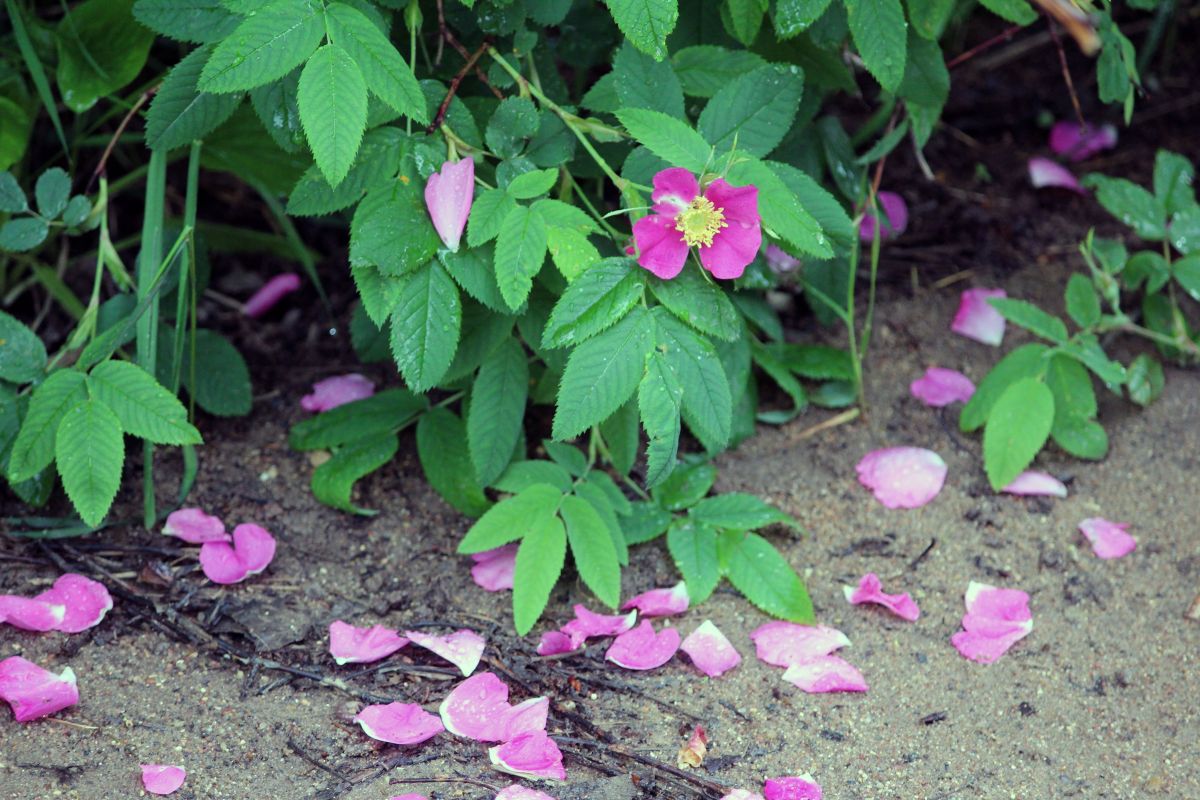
(147, 325)
(36, 73)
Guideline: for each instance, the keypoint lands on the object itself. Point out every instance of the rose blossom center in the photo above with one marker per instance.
(700, 222)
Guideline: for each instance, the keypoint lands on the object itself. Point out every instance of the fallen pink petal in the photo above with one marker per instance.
(692, 754)
(399, 723)
(252, 550)
(779, 261)
(337, 391)
(519, 792)
(710, 650)
(555, 642)
(902, 477)
(478, 709)
(86, 602)
(822, 674)
(870, 590)
(660, 602)
(1035, 484)
(33, 692)
(895, 212)
(532, 755)
(463, 648)
(162, 778)
(493, 569)
(449, 195)
(642, 648)
(801, 787)
(195, 527)
(940, 387)
(1109, 539)
(29, 614)
(588, 624)
(785, 643)
(270, 294)
(996, 619)
(352, 645)
(977, 319)
(1045, 173)
(1081, 142)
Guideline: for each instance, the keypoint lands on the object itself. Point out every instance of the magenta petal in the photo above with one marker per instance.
(641, 648)
(555, 642)
(895, 210)
(34, 692)
(660, 602)
(195, 527)
(902, 477)
(976, 319)
(737, 203)
(996, 619)
(531, 755)
(674, 189)
(822, 674)
(589, 624)
(252, 550)
(493, 569)
(270, 294)
(29, 614)
(710, 651)
(940, 387)
(801, 787)
(463, 648)
(1109, 539)
(780, 263)
(399, 723)
(449, 195)
(86, 602)
(732, 250)
(1032, 482)
(526, 717)
(337, 391)
(785, 643)
(519, 792)
(477, 708)
(660, 246)
(1044, 173)
(870, 590)
(162, 778)
(1078, 142)
(352, 645)
(1007, 605)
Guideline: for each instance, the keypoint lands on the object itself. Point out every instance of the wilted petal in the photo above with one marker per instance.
(801, 787)
(1079, 142)
(996, 619)
(742, 794)
(1109, 539)
(162, 778)
(870, 590)
(352, 645)
(449, 195)
(660, 602)
(641, 648)
(1047, 173)
(494, 569)
(531, 755)
(710, 651)
(902, 477)
(589, 624)
(270, 294)
(252, 550)
(822, 674)
(195, 527)
(399, 723)
(463, 648)
(976, 319)
(34, 692)
(1032, 482)
(785, 643)
(940, 387)
(895, 211)
(692, 754)
(779, 261)
(86, 602)
(555, 642)
(519, 792)
(337, 391)
(29, 614)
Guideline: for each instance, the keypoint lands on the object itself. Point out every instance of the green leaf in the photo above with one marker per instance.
(886, 144)
(14, 139)
(878, 27)
(52, 190)
(199, 21)
(621, 435)
(757, 570)
(333, 481)
(1185, 230)
(220, 383)
(1082, 438)
(515, 121)
(1086, 349)
(703, 69)
(659, 398)
(743, 19)
(781, 210)
(385, 70)
(1017, 11)
(1072, 388)
(592, 548)
(644, 82)
(599, 500)
(90, 450)
(793, 17)
(1173, 178)
(529, 185)
(12, 199)
(180, 113)
(520, 251)
(645, 522)
(1131, 204)
(740, 512)
(1145, 379)
(767, 358)
(520, 475)
(819, 204)
(77, 211)
(601, 374)
(267, 45)
(491, 208)
(22, 354)
(508, 520)
(756, 110)
(1083, 304)
(442, 450)
(392, 230)
(668, 138)
(1027, 361)
(375, 166)
(567, 456)
(101, 48)
(707, 405)
(1186, 272)
(143, 407)
(33, 449)
(926, 79)
(818, 362)
(370, 418)
(278, 110)
(426, 326)
(571, 251)
(646, 23)
(700, 303)
(1016, 430)
(23, 233)
(693, 548)
(540, 559)
(929, 17)
(686, 486)
(595, 301)
(333, 109)
(497, 412)
(1031, 318)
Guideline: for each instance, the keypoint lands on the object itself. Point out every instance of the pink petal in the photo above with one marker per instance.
(1078, 142)
(532, 755)
(34, 692)
(902, 477)
(162, 778)
(822, 674)
(738, 243)
(1032, 482)
(86, 602)
(976, 319)
(399, 723)
(478, 709)
(674, 190)
(195, 527)
(1005, 605)
(527, 716)
(792, 788)
(996, 619)
(337, 391)
(29, 614)
(463, 648)
(780, 263)
(270, 294)
(493, 569)
(588, 624)
(449, 195)
(660, 602)
(986, 648)
(660, 246)
(785, 643)
(742, 794)
(710, 651)
(1045, 173)
(352, 645)
(738, 203)
(1109, 539)
(519, 792)
(940, 387)
(641, 648)
(870, 590)
(895, 210)
(555, 642)
(252, 550)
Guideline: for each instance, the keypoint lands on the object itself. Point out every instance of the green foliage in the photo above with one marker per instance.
(101, 48)
(332, 97)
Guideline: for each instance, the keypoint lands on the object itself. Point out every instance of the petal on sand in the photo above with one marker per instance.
(29, 614)
(337, 391)
(1047, 173)
(195, 527)
(642, 648)
(785, 643)
(399, 723)
(589, 624)
(493, 569)
(519, 792)
(478, 709)
(34, 692)
(532, 755)
(463, 648)
(1032, 482)
(162, 778)
(977, 319)
(902, 477)
(801, 787)
(252, 550)
(660, 602)
(1005, 605)
(822, 674)
(940, 387)
(352, 645)
(1109, 539)
(870, 590)
(996, 619)
(86, 602)
(710, 651)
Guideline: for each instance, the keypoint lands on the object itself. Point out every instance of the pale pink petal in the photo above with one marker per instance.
(29, 614)
(940, 387)
(526, 717)
(784, 643)
(661, 248)
(34, 692)
(352, 645)
(1032, 482)
(86, 602)
(779, 261)
(162, 778)
(985, 648)
(1046, 173)
(399, 723)
(870, 590)
(1109, 539)
(477, 708)
(532, 755)
(1078, 142)
(641, 648)
(660, 602)
(674, 189)
(710, 651)
(555, 642)
(589, 624)
(252, 550)
(976, 319)
(337, 391)
(895, 211)
(463, 648)
(493, 569)
(902, 477)
(519, 792)
(1007, 605)
(822, 674)
(449, 195)
(742, 794)
(195, 527)
(996, 619)
(801, 787)
(270, 294)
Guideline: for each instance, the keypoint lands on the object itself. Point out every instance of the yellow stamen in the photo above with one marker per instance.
(700, 222)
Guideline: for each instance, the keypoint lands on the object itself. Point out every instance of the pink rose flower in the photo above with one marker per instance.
(448, 196)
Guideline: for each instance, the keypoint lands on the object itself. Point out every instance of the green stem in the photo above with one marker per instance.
(855, 356)
(866, 332)
(147, 325)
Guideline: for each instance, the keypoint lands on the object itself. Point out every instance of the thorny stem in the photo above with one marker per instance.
(440, 116)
